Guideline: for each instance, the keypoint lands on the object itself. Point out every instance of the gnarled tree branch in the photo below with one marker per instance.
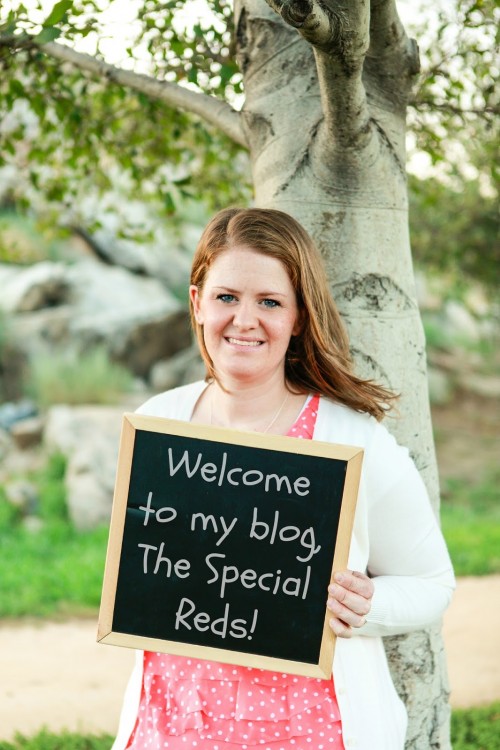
(212, 110)
(388, 38)
(338, 30)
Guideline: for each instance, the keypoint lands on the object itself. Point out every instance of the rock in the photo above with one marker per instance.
(35, 287)
(480, 385)
(13, 366)
(89, 438)
(440, 386)
(33, 524)
(139, 341)
(136, 319)
(459, 322)
(89, 482)
(428, 300)
(184, 367)
(11, 412)
(43, 331)
(5, 444)
(27, 432)
(146, 258)
(23, 495)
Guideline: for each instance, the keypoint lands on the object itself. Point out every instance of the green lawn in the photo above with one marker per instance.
(470, 518)
(471, 729)
(54, 570)
(57, 570)
(66, 741)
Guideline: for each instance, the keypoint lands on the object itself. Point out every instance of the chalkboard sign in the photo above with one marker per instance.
(222, 544)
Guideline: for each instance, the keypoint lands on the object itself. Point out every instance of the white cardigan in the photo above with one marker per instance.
(396, 539)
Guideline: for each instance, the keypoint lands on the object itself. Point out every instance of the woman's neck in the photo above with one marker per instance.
(267, 408)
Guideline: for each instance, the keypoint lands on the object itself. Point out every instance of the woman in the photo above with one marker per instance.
(277, 360)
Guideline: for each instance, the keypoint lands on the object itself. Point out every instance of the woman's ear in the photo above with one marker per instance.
(194, 297)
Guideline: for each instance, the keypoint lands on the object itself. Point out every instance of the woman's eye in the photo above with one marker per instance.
(226, 297)
(270, 303)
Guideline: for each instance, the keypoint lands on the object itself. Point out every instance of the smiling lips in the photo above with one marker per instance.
(242, 342)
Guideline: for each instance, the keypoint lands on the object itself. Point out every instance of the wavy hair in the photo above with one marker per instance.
(318, 359)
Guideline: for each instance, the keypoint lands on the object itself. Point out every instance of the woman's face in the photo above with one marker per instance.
(248, 310)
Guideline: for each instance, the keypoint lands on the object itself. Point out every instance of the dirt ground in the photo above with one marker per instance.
(54, 674)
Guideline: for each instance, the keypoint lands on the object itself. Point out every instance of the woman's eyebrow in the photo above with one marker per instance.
(230, 290)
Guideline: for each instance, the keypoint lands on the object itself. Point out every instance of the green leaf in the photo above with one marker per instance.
(16, 88)
(47, 35)
(58, 12)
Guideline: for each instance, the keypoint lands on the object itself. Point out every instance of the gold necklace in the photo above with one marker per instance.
(273, 420)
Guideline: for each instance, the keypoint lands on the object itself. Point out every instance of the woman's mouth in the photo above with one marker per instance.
(243, 342)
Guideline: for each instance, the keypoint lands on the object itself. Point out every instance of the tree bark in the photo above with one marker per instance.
(326, 86)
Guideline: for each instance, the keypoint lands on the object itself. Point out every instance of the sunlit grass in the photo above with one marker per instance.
(71, 378)
(470, 518)
(53, 569)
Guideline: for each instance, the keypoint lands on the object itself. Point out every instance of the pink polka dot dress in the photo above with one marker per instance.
(191, 703)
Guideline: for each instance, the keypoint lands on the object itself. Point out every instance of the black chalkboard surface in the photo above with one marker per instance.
(222, 544)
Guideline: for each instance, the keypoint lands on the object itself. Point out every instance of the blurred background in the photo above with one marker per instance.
(103, 195)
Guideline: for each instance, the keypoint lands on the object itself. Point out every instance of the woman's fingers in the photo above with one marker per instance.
(349, 602)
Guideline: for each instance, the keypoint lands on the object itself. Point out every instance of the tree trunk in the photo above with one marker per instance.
(339, 170)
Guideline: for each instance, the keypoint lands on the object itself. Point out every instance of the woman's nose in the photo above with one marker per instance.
(245, 316)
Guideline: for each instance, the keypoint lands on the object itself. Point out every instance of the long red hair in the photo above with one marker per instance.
(318, 358)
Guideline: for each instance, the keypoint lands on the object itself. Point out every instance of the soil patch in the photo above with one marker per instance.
(55, 674)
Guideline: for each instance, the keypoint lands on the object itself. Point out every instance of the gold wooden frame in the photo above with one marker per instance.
(353, 456)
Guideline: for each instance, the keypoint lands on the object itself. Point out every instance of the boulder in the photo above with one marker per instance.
(459, 322)
(42, 331)
(184, 367)
(485, 386)
(15, 411)
(163, 259)
(136, 319)
(23, 495)
(27, 433)
(89, 438)
(35, 287)
(440, 386)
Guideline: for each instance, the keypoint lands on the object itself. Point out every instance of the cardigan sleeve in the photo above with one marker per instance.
(408, 559)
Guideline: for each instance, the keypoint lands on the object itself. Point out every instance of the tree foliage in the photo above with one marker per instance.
(454, 230)
(457, 97)
(68, 132)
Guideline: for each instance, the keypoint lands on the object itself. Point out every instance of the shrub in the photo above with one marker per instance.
(70, 378)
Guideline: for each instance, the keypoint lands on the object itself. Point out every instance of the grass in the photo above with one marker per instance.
(471, 729)
(475, 728)
(55, 569)
(470, 518)
(46, 740)
(58, 570)
(71, 378)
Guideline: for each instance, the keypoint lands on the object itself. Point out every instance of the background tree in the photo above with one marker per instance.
(326, 89)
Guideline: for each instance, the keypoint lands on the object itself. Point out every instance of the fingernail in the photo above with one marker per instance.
(339, 577)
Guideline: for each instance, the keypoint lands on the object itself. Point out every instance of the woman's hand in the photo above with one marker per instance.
(350, 600)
